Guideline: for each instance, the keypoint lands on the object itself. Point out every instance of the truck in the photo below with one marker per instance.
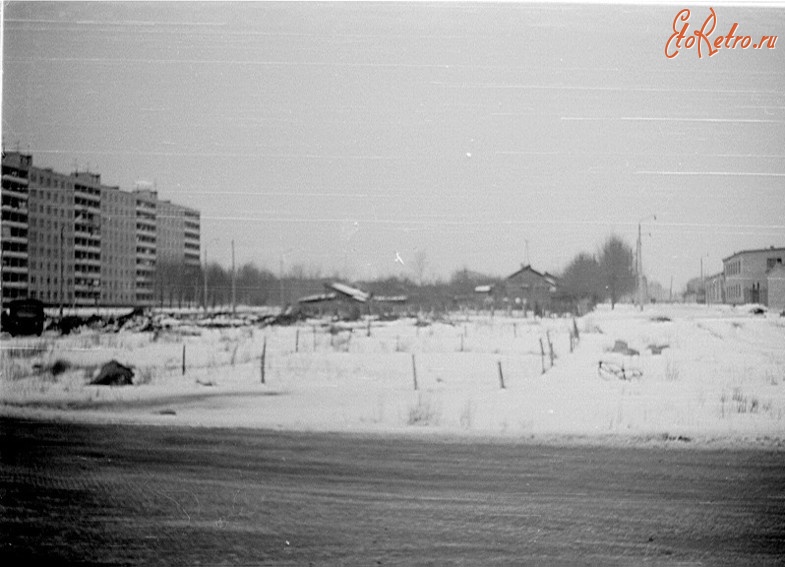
(24, 317)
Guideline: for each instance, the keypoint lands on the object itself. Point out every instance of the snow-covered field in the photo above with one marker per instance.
(721, 378)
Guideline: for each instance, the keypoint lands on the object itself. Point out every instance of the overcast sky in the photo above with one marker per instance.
(337, 135)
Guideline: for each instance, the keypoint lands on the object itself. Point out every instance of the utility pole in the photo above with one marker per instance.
(703, 281)
(639, 268)
(280, 278)
(639, 262)
(234, 279)
(62, 267)
(205, 279)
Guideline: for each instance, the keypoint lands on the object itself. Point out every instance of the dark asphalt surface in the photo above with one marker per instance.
(146, 495)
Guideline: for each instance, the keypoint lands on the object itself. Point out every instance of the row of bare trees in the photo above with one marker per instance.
(609, 274)
(177, 285)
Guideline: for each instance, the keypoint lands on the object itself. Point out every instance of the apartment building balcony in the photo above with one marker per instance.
(14, 269)
(94, 250)
(86, 275)
(17, 179)
(15, 205)
(11, 222)
(94, 262)
(87, 289)
(13, 238)
(81, 204)
(143, 259)
(19, 254)
(88, 233)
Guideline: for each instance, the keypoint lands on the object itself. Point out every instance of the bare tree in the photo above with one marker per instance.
(583, 278)
(617, 267)
(419, 265)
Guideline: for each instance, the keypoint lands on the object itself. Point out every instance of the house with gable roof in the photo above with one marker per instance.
(529, 289)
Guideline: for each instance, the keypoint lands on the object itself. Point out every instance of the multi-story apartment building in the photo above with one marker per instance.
(70, 240)
(170, 226)
(177, 251)
(51, 237)
(15, 258)
(118, 244)
(146, 249)
(747, 272)
(191, 240)
(87, 238)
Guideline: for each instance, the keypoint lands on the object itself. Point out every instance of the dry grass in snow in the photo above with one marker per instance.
(700, 373)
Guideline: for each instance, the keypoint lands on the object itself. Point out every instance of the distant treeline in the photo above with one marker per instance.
(179, 286)
(609, 274)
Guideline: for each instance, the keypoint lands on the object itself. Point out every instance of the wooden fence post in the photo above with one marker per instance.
(414, 372)
(264, 356)
(550, 346)
(542, 356)
(501, 376)
(297, 341)
(183, 359)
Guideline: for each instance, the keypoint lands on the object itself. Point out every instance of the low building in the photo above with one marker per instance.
(529, 289)
(715, 288)
(775, 280)
(745, 274)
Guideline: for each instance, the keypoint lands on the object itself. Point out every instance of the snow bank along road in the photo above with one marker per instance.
(137, 494)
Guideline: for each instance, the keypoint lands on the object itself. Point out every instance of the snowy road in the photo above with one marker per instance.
(150, 495)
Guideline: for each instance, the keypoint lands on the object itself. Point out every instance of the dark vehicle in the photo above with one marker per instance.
(24, 317)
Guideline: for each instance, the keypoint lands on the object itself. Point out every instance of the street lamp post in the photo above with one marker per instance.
(211, 241)
(639, 262)
(204, 276)
(282, 257)
(62, 267)
(234, 282)
(703, 281)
